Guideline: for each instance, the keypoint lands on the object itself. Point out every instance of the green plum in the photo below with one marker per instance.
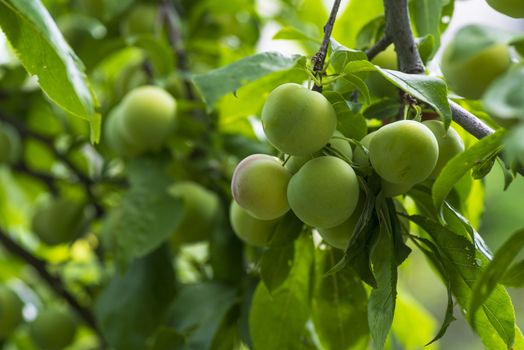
(449, 144)
(360, 157)
(377, 84)
(390, 189)
(10, 312)
(148, 117)
(53, 329)
(57, 220)
(294, 163)
(249, 229)
(512, 8)
(298, 121)
(114, 137)
(324, 192)
(200, 213)
(404, 152)
(339, 236)
(473, 60)
(259, 185)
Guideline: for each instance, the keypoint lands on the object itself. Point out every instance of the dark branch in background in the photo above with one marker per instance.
(48, 179)
(320, 57)
(379, 46)
(86, 181)
(54, 282)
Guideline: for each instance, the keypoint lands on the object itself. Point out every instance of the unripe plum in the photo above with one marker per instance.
(10, 312)
(360, 157)
(469, 71)
(403, 152)
(259, 185)
(377, 84)
(249, 229)
(114, 137)
(449, 144)
(298, 121)
(512, 8)
(390, 189)
(340, 235)
(200, 213)
(53, 329)
(324, 192)
(148, 116)
(57, 220)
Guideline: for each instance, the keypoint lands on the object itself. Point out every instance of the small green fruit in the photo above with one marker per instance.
(250, 229)
(360, 157)
(53, 329)
(259, 186)
(114, 137)
(298, 121)
(324, 192)
(57, 220)
(449, 144)
(10, 312)
(148, 117)
(377, 84)
(512, 8)
(339, 236)
(473, 60)
(390, 189)
(403, 152)
(200, 213)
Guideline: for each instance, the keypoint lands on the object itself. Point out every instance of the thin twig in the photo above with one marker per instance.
(320, 57)
(379, 46)
(53, 281)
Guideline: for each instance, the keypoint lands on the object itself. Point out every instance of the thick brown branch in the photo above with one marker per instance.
(320, 57)
(54, 282)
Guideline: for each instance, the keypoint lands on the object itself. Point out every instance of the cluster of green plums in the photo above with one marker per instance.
(141, 122)
(52, 329)
(317, 180)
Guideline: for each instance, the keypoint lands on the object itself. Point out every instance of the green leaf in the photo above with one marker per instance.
(356, 15)
(381, 306)
(383, 109)
(495, 271)
(503, 99)
(44, 52)
(157, 51)
(133, 305)
(351, 124)
(413, 325)
(278, 319)
(339, 306)
(462, 163)
(495, 322)
(426, 15)
(291, 33)
(425, 88)
(514, 276)
(275, 265)
(219, 82)
(426, 46)
(360, 85)
(341, 56)
(147, 214)
(198, 311)
(287, 231)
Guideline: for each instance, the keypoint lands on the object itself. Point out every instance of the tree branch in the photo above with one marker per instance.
(379, 46)
(54, 282)
(320, 57)
(469, 122)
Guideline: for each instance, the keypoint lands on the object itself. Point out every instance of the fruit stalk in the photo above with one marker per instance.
(54, 282)
(320, 56)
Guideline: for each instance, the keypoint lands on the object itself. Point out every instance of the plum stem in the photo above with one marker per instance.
(320, 57)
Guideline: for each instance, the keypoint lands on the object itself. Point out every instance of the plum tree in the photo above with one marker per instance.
(512, 8)
(57, 220)
(339, 236)
(10, 312)
(259, 186)
(449, 144)
(53, 329)
(391, 152)
(473, 60)
(251, 230)
(201, 210)
(324, 192)
(148, 116)
(298, 121)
